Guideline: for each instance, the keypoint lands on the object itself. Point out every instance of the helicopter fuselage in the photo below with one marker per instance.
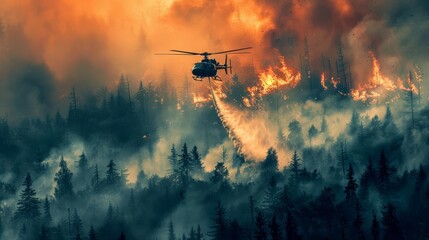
(204, 69)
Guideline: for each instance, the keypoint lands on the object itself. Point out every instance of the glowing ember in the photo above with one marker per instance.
(335, 82)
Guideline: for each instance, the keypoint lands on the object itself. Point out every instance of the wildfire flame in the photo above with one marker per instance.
(199, 100)
(272, 79)
(323, 81)
(376, 84)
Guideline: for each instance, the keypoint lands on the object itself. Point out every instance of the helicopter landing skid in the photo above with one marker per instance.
(217, 78)
(200, 79)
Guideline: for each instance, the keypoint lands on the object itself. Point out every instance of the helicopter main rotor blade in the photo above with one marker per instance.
(172, 54)
(186, 52)
(240, 53)
(233, 50)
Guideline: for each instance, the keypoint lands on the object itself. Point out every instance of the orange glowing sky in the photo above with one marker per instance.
(91, 43)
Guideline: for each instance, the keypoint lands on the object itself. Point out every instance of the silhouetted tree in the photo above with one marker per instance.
(294, 178)
(171, 234)
(46, 218)
(64, 188)
(343, 157)
(28, 204)
(324, 125)
(271, 163)
(383, 173)
(219, 228)
(392, 229)
(312, 133)
(92, 235)
(274, 228)
(368, 180)
(220, 173)
(421, 178)
(77, 225)
(354, 123)
(325, 206)
(291, 228)
(375, 227)
(174, 162)
(199, 233)
(351, 187)
(295, 138)
(389, 126)
(358, 222)
(260, 233)
(185, 164)
(95, 180)
(271, 198)
(82, 163)
(112, 175)
(197, 165)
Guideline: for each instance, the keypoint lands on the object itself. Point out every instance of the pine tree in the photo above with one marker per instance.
(171, 234)
(95, 178)
(421, 178)
(312, 133)
(324, 125)
(271, 163)
(185, 165)
(219, 227)
(197, 165)
(294, 178)
(351, 187)
(92, 235)
(354, 123)
(392, 229)
(260, 233)
(108, 221)
(82, 163)
(64, 188)
(174, 162)
(375, 227)
(28, 204)
(295, 139)
(291, 228)
(358, 222)
(368, 180)
(47, 218)
(271, 198)
(199, 233)
(77, 225)
(274, 228)
(220, 173)
(192, 234)
(343, 157)
(383, 174)
(112, 175)
(389, 126)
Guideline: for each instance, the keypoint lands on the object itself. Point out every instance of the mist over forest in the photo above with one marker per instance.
(321, 132)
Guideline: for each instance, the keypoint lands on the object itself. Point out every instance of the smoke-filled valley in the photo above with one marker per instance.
(321, 132)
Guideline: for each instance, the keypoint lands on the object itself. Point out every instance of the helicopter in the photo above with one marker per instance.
(208, 68)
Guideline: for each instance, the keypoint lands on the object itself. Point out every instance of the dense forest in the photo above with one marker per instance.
(71, 176)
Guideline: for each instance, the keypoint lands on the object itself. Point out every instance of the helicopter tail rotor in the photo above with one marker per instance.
(230, 66)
